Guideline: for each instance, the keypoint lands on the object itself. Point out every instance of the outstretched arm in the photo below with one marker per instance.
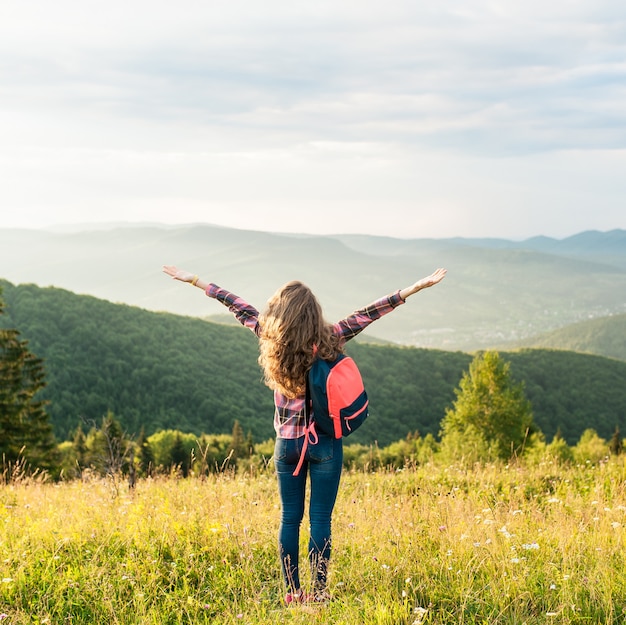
(424, 283)
(351, 326)
(245, 313)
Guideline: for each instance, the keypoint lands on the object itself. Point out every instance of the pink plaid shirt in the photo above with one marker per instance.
(289, 416)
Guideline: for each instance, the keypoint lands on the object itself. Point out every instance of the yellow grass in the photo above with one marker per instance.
(497, 544)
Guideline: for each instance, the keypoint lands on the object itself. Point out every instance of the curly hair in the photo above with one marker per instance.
(293, 333)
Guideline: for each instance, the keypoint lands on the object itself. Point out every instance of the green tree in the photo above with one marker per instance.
(616, 445)
(179, 456)
(146, 457)
(80, 451)
(162, 443)
(25, 430)
(239, 447)
(117, 447)
(590, 447)
(109, 451)
(80, 446)
(490, 409)
(559, 450)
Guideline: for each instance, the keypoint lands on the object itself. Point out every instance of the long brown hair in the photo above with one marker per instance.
(291, 325)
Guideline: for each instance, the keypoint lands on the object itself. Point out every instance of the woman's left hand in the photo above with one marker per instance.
(434, 278)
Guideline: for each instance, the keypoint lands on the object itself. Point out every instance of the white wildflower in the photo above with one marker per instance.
(421, 615)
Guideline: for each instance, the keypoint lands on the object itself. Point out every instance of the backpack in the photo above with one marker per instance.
(336, 393)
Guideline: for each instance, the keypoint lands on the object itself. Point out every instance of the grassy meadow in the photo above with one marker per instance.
(432, 544)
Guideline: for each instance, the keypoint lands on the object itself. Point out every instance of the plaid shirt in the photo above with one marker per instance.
(289, 416)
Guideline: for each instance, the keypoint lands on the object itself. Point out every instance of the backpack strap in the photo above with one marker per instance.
(310, 435)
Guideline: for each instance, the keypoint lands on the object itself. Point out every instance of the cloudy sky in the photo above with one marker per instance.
(408, 118)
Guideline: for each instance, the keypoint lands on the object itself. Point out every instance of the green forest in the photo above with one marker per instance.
(159, 371)
(605, 336)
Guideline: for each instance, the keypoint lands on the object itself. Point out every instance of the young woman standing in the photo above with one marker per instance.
(292, 332)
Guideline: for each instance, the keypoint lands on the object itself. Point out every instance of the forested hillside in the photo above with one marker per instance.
(159, 370)
(495, 291)
(605, 336)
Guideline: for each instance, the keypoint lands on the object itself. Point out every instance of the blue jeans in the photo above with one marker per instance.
(323, 462)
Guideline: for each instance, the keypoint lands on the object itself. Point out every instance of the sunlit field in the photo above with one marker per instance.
(499, 544)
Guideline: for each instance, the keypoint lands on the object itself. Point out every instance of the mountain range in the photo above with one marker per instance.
(497, 292)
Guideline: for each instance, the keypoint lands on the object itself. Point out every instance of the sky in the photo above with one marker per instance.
(404, 118)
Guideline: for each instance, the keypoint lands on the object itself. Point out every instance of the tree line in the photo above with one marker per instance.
(105, 450)
(154, 373)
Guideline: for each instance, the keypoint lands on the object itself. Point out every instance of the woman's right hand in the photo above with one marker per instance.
(178, 274)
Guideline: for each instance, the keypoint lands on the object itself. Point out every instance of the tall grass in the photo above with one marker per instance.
(433, 544)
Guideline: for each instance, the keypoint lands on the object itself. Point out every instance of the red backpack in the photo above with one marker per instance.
(336, 402)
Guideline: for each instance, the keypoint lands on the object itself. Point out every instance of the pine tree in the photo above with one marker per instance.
(80, 449)
(179, 456)
(249, 444)
(109, 450)
(616, 445)
(146, 457)
(490, 410)
(25, 430)
(116, 445)
(238, 447)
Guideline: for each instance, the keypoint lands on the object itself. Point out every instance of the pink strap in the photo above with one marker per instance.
(310, 436)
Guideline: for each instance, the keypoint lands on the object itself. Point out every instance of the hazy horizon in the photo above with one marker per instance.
(494, 292)
(108, 225)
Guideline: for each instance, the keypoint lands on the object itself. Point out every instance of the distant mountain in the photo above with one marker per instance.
(496, 291)
(604, 337)
(603, 247)
(160, 371)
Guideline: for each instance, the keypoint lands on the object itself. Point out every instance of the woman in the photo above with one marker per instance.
(292, 332)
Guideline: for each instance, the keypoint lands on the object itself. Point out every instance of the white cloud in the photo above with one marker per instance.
(449, 118)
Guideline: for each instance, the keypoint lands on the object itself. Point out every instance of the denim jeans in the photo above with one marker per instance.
(323, 464)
